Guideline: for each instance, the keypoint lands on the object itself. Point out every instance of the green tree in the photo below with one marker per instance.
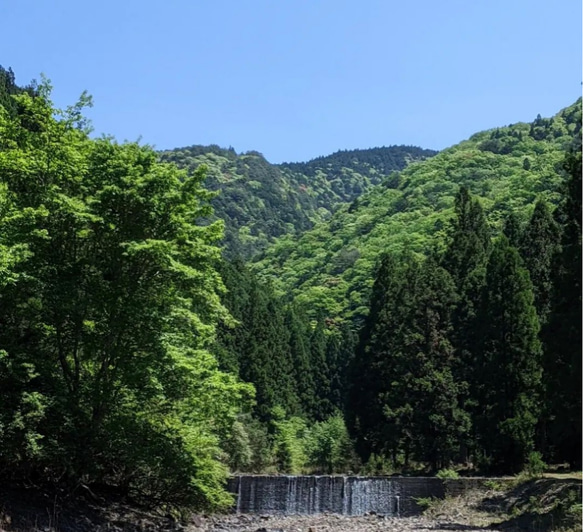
(440, 422)
(289, 444)
(298, 327)
(539, 244)
(408, 398)
(328, 446)
(513, 230)
(108, 306)
(339, 355)
(465, 259)
(365, 409)
(509, 363)
(321, 375)
(562, 333)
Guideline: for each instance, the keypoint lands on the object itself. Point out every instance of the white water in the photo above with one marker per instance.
(308, 495)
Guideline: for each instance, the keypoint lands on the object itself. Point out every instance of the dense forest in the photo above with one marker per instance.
(260, 201)
(404, 315)
(331, 266)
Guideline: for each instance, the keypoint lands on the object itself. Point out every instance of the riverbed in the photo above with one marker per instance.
(329, 523)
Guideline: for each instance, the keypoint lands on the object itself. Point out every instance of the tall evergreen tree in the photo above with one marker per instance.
(409, 404)
(509, 363)
(323, 407)
(562, 334)
(440, 423)
(365, 416)
(538, 246)
(512, 230)
(339, 355)
(469, 240)
(465, 259)
(298, 327)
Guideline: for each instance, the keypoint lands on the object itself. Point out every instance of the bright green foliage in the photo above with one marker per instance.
(328, 446)
(289, 446)
(260, 201)
(108, 301)
(508, 372)
(535, 466)
(238, 447)
(447, 474)
(332, 265)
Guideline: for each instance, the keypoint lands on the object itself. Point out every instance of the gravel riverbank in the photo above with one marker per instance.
(329, 523)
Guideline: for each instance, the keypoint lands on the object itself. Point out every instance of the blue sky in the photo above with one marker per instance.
(295, 79)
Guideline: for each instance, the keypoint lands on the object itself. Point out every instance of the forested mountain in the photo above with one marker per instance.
(330, 267)
(435, 321)
(260, 201)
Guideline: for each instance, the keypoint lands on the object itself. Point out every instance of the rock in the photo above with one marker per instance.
(197, 520)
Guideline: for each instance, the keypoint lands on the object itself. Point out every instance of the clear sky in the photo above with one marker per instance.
(295, 79)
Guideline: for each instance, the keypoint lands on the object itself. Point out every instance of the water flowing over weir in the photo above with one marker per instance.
(346, 495)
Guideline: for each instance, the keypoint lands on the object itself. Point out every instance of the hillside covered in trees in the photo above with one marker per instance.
(432, 322)
(330, 267)
(260, 201)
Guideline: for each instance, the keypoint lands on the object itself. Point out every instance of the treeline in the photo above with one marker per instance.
(372, 162)
(473, 356)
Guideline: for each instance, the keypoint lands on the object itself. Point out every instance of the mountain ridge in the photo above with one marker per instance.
(260, 201)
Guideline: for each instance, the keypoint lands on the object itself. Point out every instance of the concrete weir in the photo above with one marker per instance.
(346, 495)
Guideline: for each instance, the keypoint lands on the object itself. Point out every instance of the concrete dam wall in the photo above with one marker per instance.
(346, 495)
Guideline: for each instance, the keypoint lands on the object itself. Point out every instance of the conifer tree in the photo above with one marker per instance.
(339, 355)
(512, 230)
(365, 410)
(562, 333)
(408, 397)
(539, 245)
(469, 239)
(323, 408)
(298, 329)
(465, 259)
(440, 423)
(509, 363)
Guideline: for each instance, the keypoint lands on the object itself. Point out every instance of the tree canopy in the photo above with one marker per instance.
(109, 298)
